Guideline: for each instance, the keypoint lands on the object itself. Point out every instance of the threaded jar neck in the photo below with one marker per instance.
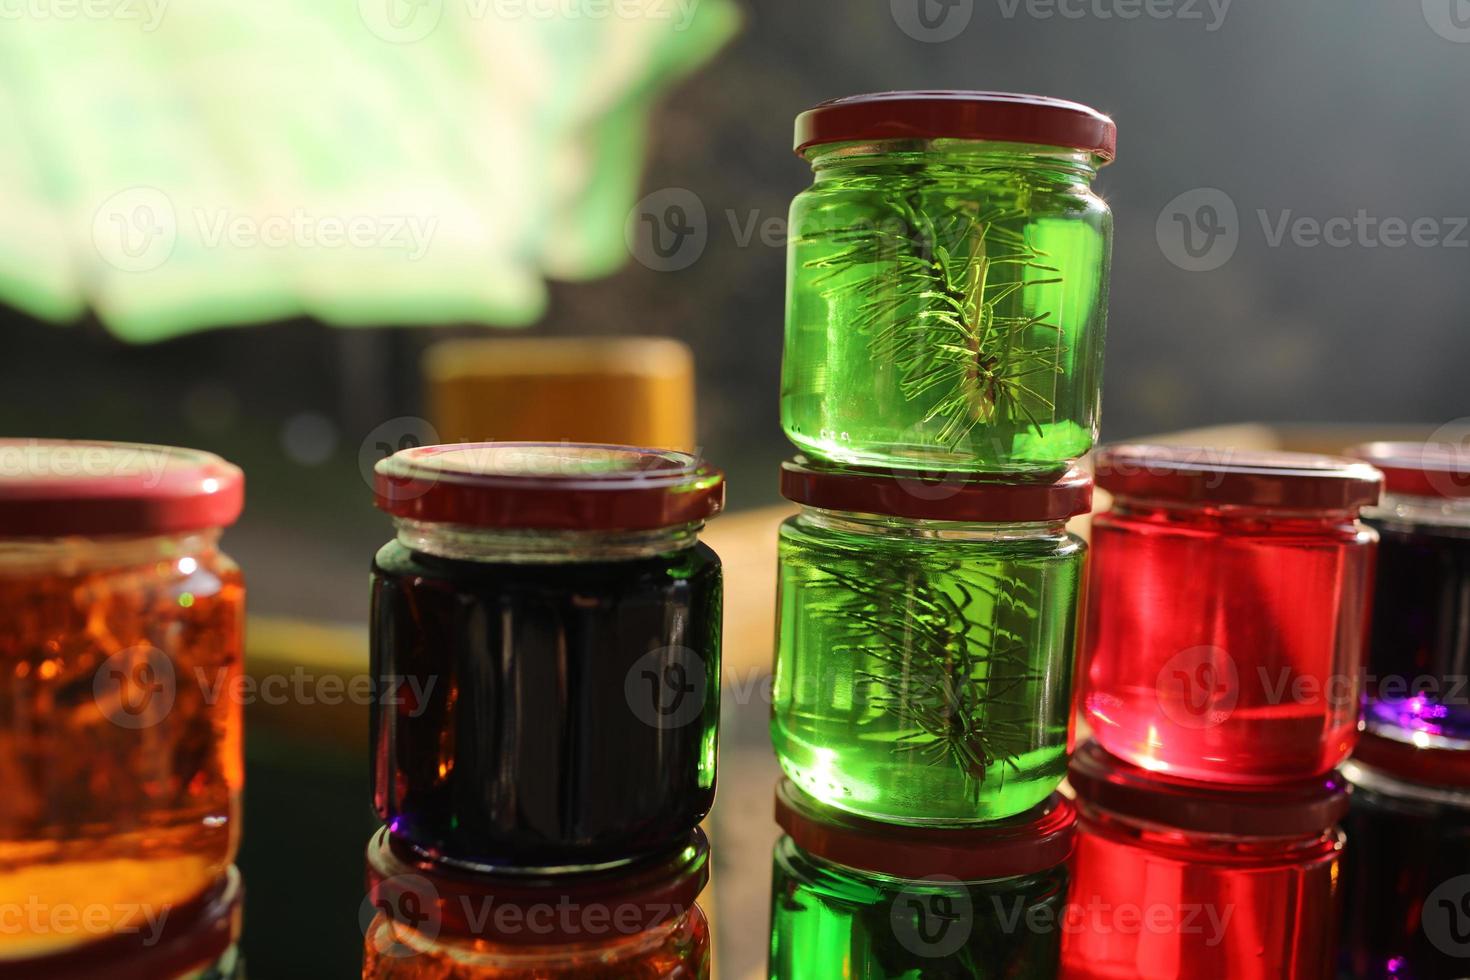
(530, 546)
(906, 527)
(76, 555)
(959, 157)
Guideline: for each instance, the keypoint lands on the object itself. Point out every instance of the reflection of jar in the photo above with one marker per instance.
(855, 898)
(926, 642)
(635, 922)
(1419, 655)
(192, 940)
(546, 640)
(1406, 875)
(1177, 880)
(120, 648)
(1226, 611)
(947, 281)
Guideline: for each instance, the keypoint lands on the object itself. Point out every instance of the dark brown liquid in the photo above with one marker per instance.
(549, 715)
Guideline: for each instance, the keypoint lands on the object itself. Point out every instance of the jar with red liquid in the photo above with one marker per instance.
(194, 940)
(1419, 650)
(427, 921)
(121, 626)
(1406, 875)
(1174, 881)
(1227, 611)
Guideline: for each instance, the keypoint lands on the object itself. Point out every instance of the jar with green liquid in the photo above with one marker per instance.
(866, 901)
(926, 636)
(947, 282)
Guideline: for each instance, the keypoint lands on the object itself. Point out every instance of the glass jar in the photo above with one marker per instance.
(121, 627)
(947, 280)
(1419, 650)
(1406, 875)
(192, 940)
(867, 901)
(1174, 881)
(926, 637)
(1227, 611)
(637, 922)
(546, 640)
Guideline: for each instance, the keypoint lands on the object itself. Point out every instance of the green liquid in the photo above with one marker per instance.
(828, 921)
(946, 306)
(924, 681)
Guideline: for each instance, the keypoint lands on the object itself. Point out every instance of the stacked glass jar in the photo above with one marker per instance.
(1224, 641)
(121, 622)
(546, 643)
(1407, 913)
(947, 294)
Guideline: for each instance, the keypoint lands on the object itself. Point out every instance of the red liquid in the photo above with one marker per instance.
(1176, 906)
(1226, 649)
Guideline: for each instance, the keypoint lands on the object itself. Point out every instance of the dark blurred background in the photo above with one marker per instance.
(1233, 120)
(1310, 109)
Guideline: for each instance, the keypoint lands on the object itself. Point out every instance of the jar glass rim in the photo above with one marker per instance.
(549, 486)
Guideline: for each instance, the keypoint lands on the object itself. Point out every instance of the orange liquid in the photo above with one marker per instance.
(679, 951)
(120, 739)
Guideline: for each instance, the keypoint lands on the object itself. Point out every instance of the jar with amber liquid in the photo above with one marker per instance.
(426, 920)
(120, 640)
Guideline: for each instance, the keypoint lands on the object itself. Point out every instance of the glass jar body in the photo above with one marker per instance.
(1406, 879)
(120, 724)
(676, 950)
(924, 669)
(1153, 903)
(554, 713)
(946, 306)
(828, 920)
(1226, 646)
(1419, 653)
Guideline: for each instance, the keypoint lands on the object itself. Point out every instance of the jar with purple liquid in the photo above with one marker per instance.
(1419, 648)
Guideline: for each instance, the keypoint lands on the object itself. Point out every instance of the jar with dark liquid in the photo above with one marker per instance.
(546, 639)
(639, 921)
(1419, 651)
(1406, 901)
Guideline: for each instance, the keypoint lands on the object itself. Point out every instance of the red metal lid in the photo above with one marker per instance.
(999, 116)
(60, 487)
(1418, 757)
(1038, 839)
(1233, 477)
(1300, 809)
(552, 486)
(534, 910)
(1419, 469)
(166, 941)
(945, 497)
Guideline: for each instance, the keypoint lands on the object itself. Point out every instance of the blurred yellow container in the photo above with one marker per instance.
(636, 391)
